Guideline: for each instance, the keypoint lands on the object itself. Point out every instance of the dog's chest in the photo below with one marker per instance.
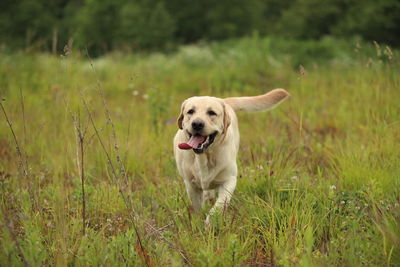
(201, 167)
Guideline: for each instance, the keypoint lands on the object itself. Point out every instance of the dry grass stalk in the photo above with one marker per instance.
(80, 141)
(127, 201)
(22, 167)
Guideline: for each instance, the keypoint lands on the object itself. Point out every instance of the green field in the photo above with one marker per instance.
(319, 177)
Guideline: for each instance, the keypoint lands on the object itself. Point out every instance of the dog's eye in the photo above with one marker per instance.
(191, 111)
(211, 113)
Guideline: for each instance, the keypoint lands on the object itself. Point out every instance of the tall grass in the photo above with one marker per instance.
(319, 176)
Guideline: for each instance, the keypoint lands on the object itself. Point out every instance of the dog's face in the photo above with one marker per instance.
(203, 119)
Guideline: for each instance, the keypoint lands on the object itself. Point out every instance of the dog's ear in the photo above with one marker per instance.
(227, 119)
(180, 118)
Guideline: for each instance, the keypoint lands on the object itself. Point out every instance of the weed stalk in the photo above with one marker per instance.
(7, 217)
(128, 203)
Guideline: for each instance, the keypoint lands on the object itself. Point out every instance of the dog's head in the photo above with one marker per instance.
(203, 119)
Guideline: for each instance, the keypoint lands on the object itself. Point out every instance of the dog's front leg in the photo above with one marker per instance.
(195, 194)
(225, 192)
(208, 196)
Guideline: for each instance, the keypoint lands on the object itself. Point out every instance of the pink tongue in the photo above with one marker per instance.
(194, 142)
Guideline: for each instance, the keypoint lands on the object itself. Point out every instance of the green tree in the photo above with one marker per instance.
(373, 20)
(233, 18)
(215, 20)
(97, 23)
(105, 25)
(28, 23)
(145, 24)
(309, 18)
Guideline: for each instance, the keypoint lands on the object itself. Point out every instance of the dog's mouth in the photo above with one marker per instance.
(198, 143)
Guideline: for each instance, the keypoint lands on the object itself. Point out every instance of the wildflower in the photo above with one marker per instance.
(332, 187)
(146, 96)
(388, 52)
(135, 92)
(302, 70)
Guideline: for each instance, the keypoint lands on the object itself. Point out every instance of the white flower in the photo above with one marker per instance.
(146, 96)
(135, 92)
(332, 187)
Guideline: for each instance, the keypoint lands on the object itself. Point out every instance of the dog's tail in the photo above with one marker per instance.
(258, 103)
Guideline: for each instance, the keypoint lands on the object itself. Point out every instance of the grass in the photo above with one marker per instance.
(319, 176)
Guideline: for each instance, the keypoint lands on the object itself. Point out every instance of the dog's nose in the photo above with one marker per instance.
(197, 124)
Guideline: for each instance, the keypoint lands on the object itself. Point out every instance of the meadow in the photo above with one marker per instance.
(88, 178)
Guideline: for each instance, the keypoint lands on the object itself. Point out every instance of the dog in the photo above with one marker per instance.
(207, 142)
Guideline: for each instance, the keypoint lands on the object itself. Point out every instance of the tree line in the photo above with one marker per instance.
(106, 25)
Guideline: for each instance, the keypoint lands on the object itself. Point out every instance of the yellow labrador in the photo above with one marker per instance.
(207, 142)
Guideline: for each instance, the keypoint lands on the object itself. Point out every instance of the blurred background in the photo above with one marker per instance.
(102, 26)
